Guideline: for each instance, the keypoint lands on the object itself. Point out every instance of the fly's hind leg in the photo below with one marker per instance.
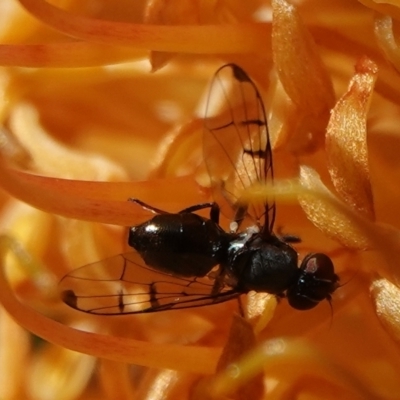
(148, 207)
(214, 210)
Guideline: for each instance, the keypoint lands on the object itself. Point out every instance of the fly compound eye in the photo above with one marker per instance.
(318, 265)
(316, 282)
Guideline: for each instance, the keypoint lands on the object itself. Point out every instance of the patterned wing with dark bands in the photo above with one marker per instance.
(237, 148)
(124, 284)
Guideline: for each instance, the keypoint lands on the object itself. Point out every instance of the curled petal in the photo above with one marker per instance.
(327, 213)
(285, 356)
(15, 348)
(104, 202)
(201, 360)
(65, 55)
(180, 12)
(386, 297)
(387, 84)
(386, 240)
(385, 36)
(50, 155)
(160, 385)
(394, 3)
(172, 157)
(53, 366)
(235, 380)
(241, 340)
(12, 150)
(241, 337)
(342, 224)
(189, 12)
(116, 379)
(209, 39)
(300, 68)
(385, 7)
(346, 144)
(260, 310)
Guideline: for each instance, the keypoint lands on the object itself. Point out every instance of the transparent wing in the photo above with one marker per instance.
(124, 284)
(237, 148)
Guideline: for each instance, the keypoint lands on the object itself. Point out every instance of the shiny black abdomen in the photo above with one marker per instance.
(185, 244)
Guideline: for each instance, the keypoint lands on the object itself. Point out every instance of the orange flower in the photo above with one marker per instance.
(86, 126)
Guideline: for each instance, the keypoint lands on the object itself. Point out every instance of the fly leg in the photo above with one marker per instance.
(214, 210)
(148, 207)
(240, 213)
(288, 238)
(221, 279)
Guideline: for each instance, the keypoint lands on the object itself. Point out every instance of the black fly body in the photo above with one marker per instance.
(183, 260)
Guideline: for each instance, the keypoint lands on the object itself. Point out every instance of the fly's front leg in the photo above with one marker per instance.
(214, 210)
(147, 206)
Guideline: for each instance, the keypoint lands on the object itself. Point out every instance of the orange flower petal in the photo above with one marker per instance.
(189, 12)
(300, 68)
(116, 379)
(387, 83)
(260, 310)
(180, 12)
(246, 38)
(57, 370)
(384, 7)
(386, 240)
(346, 145)
(386, 297)
(15, 348)
(235, 380)
(65, 55)
(51, 155)
(330, 215)
(316, 375)
(104, 202)
(195, 359)
(387, 41)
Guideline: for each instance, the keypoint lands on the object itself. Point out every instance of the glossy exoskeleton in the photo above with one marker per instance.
(185, 260)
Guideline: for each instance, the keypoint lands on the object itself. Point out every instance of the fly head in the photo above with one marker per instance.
(316, 282)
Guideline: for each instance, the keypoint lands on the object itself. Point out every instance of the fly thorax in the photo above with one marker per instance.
(263, 264)
(240, 241)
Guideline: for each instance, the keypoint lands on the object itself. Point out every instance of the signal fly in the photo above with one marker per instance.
(181, 260)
